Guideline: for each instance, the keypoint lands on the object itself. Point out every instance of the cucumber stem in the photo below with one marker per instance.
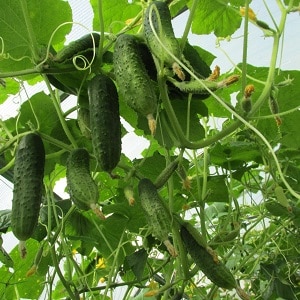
(22, 249)
(151, 124)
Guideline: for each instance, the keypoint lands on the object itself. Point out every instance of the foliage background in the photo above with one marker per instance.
(264, 253)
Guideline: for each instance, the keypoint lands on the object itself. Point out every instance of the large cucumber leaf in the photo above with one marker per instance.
(23, 30)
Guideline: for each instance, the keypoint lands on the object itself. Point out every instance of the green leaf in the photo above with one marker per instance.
(136, 262)
(220, 17)
(20, 41)
(4, 220)
(11, 88)
(133, 214)
(234, 154)
(36, 106)
(115, 14)
(217, 189)
(15, 280)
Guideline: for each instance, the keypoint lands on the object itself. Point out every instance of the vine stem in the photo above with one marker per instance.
(101, 43)
(188, 24)
(61, 276)
(245, 47)
(31, 35)
(60, 113)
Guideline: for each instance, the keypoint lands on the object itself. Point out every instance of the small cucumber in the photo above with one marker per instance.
(158, 14)
(105, 121)
(158, 216)
(166, 173)
(82, 188)
(196, 87)
(135, 86)
(28, 187)
(205, 258)
(83, 120)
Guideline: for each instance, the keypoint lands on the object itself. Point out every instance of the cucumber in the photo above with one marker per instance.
(82, 46)
(196, 87)
(158, 14)
(135, 86)
(28, 187)
(166, 173)
(83, 120)
(82, 188)
(205, 258)
(105, 121)
(158, 216)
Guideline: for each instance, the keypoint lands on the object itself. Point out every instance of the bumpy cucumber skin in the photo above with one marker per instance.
(166, 34)
(215, 270)
(134, 83)
(105, 121)
(28, 185)
(83, 44)
(158, 216)
(82, 188)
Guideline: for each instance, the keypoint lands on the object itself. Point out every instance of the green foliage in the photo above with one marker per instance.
(235, 179)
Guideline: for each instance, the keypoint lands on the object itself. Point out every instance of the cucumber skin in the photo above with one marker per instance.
(134, 83)
(105, 122)
(158, 216)
(216, 271)
(166, 35)
(28, 185)
(82, 188)
(166, 173)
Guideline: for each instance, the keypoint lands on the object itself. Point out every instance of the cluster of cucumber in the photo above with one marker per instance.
(100, 122)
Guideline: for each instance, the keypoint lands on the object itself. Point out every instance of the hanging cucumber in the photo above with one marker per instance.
(83, 120)
(158, 15)
(135, 86)
(105, 121)
(196, 87)
(158, 216)
(83, 46)
(205, 258)
(82, 188)
(28, 187)
(166, 173)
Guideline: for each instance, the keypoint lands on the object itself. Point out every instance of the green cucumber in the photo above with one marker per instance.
(28, 187)
(135, 86)
(83, 120)
(205, 258)
(105, 121)
(158, 216)
(82, 188)
(158, 14)
(166, 173)
(196, 87)
(82, 46)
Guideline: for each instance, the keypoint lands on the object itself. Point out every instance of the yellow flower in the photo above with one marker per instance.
(102, 280)
(151, 293)
(251, 13)
(101, 263)
(153, 285)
